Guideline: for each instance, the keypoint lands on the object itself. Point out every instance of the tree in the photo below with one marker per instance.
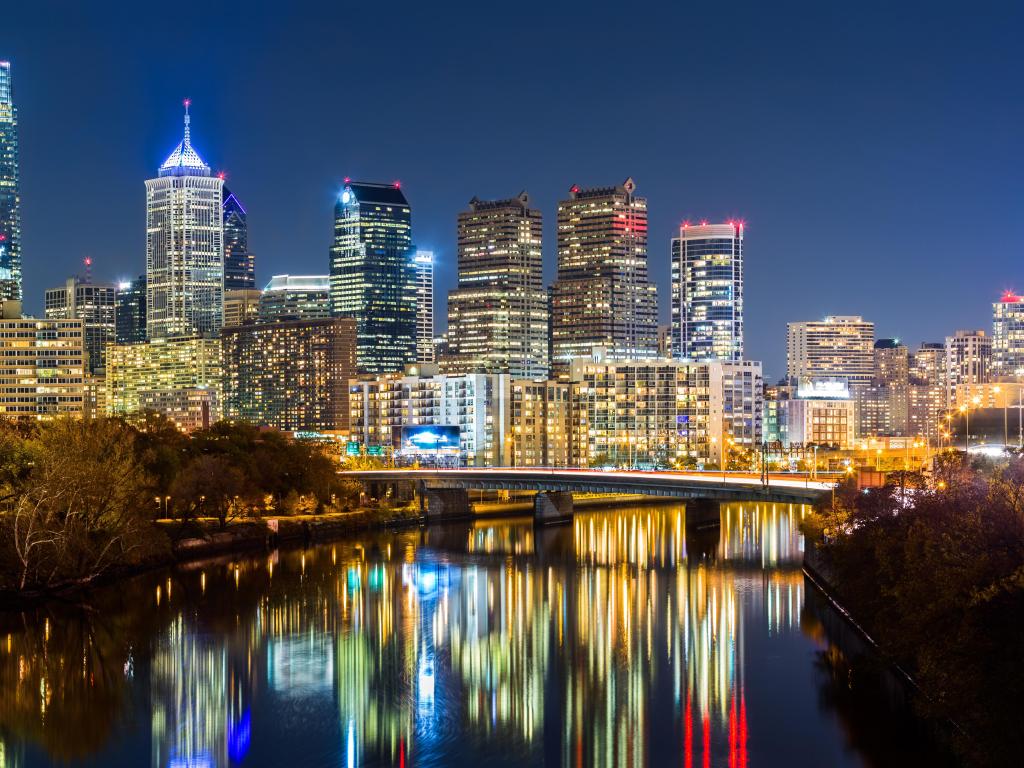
(211, 486)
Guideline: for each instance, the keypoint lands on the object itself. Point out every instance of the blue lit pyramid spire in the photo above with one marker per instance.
(184, 160)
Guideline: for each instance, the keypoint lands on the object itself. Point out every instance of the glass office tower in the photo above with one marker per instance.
(10, 214)
(239, 263)
(373, 274)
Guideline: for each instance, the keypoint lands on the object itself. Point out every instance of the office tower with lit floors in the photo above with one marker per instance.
(10, 200)
(239, 263)
(498, 314)
(92, 303)
(424, 306)
(838, 348)
(373, 273)
(1008, 338)
(707, 292)
(184, 246)
(295, 297)
(602, 296)
(130, 311)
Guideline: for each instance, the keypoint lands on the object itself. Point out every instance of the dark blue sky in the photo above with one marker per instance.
(874, 149)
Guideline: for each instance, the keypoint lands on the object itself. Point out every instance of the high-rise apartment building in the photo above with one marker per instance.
(707, 292)
(184, 246)
(498, 315)
(239, 263)
(373, 274)
(1008, 338)
(838, 348)
(180, 378)
(884, 404)
(130, 311)
(295, 297)
(927, 393)
(92, 303)
(968, 361)
(10, 200)
(424, 306)
(602, 296)
(42, 368)
(292, 374)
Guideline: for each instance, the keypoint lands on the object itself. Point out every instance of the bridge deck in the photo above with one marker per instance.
(684, 485)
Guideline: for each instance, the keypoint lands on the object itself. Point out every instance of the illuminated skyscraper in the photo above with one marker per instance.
(424, 306)
(10, 202)
(373, 274)
(602, 296)
(707, 292)
(498, 316)
(1008, 337)
(93, 304)
(239, 263)
(968, 361)
(130, 311)
(184, 246)
(839, 348)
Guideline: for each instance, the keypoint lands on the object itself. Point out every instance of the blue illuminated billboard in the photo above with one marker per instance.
(429, 438)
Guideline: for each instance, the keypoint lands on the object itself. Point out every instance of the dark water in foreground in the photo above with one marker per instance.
(618, 640)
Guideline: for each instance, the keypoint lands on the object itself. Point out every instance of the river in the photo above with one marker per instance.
(622, 639)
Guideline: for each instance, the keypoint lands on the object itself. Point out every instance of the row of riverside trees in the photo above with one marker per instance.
(78, 498)
(936, 576)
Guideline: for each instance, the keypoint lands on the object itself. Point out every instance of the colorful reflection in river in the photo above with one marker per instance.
(614, 641)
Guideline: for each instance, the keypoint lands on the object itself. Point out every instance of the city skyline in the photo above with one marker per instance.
(775, 181)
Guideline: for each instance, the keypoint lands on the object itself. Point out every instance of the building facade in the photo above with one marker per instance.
(838, 348)
(927, 392)
(42, 368)
(1008, 338)
(92, 303)
(292, 374)
(707, 292)
(424, 306)
(184, 246)
(180, 378)
(239, 263)
(602, 296)
(241, 305)
(655, 413)
(498, 315)
(130, 312)
(373, 274)
(476, 403)
(540, 427)
(968, 361)
(295, 297)
(10, 199)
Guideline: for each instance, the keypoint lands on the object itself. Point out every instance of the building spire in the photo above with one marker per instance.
(188, 120)
(184, 160)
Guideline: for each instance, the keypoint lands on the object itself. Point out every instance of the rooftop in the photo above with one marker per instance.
(184, 160)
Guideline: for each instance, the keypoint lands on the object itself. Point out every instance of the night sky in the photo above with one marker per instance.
(874, 149)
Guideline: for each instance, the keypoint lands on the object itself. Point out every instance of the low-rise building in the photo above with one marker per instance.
(180, 378)
(42, 366)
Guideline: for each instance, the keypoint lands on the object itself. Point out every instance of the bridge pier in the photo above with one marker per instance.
(447, 504)
(703, 513)
(552, 507)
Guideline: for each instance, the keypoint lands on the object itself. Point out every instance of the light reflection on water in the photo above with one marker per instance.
(621, 640)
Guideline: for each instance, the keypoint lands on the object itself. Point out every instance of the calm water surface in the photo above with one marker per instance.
(622, 639)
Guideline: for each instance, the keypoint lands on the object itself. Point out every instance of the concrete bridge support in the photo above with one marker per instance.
(447, 504)
(703, 513)
(551, 507)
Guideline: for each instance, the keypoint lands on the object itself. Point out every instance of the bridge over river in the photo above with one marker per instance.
(444, 493)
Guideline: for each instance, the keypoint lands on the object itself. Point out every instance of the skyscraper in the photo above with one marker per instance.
(93, 304)
(1008, 337)
(239, 263)
(10, 201)
(602, 296)
(184, 246)
(424, 306)
(707, 292)
(373, 274)
(840, 348)
(130, 311)
(498, 316)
